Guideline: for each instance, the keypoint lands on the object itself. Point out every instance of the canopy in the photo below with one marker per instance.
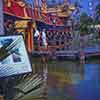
(20, 10)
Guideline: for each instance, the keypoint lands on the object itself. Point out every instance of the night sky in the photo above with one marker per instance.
(88, 6)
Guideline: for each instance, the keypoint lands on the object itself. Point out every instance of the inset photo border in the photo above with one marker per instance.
(14, 58)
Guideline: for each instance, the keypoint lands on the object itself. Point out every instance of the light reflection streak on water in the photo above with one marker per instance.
(70, 79)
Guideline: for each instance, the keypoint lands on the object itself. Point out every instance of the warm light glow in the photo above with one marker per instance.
(21, 24)
(21, 3)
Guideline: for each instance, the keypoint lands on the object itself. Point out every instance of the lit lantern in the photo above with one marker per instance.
(21, 3)
(8, 2)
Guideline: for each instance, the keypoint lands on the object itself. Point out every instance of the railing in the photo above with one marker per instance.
(56, 43)
(65, 43)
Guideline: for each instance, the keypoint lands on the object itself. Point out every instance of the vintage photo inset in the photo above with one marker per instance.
(13, 56)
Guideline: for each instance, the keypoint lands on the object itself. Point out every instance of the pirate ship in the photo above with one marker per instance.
(38, 11)
(51, 18)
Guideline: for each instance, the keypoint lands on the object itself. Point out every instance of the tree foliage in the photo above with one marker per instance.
(85, 22)
(97, 9)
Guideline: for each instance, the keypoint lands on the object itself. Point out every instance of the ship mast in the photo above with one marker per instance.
(39, 8)
(35, 7)
(44, 6)
(65, 1)
(1, 18)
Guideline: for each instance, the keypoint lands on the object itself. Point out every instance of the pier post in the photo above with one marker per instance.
(45, 77)
(82, 57)
(1, 98)
(82, 54)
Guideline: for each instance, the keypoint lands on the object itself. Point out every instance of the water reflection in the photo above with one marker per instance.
(70, 80)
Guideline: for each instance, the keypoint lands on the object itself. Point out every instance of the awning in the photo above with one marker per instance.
(25, 12)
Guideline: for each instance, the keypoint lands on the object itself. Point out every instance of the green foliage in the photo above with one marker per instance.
(85, 22)
(97, 9)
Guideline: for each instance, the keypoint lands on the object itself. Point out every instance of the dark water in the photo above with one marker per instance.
(70, 80)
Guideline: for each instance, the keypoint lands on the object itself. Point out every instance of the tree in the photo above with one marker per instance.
(85, 22)
(97, 9)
